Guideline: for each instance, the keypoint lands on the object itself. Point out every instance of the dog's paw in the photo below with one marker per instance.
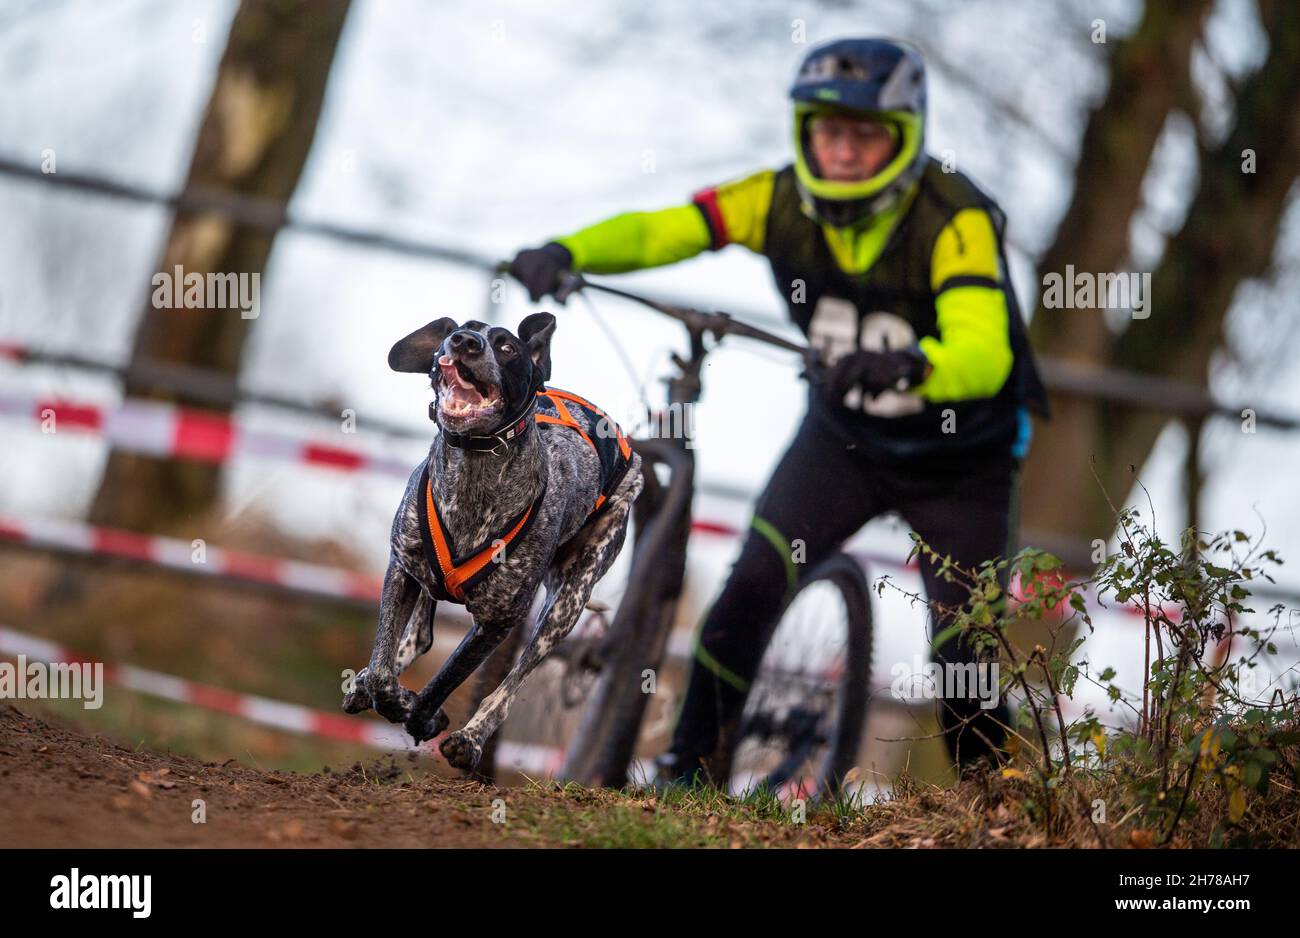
(422, 727)
(357, 700)
(461, 751)
(390, 699)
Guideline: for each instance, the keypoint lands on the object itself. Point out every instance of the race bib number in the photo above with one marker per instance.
(834, 329)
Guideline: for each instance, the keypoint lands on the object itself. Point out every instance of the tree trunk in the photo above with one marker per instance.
(1149, 80)
(253, 141)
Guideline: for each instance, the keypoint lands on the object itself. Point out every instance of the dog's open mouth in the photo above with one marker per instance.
(462, 394)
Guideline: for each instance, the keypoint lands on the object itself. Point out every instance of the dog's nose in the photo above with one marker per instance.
(464, 342)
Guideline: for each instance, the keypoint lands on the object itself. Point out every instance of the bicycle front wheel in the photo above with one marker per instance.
(807, 706)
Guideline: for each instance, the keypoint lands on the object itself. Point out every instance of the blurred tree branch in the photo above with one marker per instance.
(1228, 237)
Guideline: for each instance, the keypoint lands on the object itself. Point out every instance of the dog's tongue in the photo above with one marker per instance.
(461, 390)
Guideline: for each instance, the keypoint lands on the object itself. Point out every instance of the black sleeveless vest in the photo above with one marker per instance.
(899, 283)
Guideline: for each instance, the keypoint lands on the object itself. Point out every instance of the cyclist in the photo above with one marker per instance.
(895, 266)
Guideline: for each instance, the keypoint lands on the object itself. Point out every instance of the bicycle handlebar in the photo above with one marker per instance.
(718, 323)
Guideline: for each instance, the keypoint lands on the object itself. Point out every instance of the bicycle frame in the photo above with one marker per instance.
(605, 742)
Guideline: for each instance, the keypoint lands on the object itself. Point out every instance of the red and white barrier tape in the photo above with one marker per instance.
(76, 537)
(16, 352)
(167, 430)
(175, 554)
(293, 718)
(528, 758)
(155, 428)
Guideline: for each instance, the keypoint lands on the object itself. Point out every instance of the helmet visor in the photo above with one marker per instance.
(903, 128)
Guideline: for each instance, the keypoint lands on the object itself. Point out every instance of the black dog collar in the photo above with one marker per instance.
(497, 442)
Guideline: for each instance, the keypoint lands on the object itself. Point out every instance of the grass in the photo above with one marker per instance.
(701, 816)
(998, 809)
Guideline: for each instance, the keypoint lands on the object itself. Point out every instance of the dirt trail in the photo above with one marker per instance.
(60, 787)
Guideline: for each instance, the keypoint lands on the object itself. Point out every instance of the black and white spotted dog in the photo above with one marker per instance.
(520, 490)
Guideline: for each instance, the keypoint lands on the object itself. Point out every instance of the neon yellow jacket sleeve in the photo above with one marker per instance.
(972, 357)
(636, 240)
(732, 213)
(736, 211)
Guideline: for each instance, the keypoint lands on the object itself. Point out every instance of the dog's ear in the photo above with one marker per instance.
(416, 353)
(536, 331)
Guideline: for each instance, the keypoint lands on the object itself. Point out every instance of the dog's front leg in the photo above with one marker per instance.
(401, 595)
(463, 748)
(568, 588)
(427, 718)
(416, 640)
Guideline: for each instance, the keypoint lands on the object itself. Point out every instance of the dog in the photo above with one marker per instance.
(524, 486)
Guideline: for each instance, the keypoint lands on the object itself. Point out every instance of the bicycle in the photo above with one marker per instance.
(804, 716)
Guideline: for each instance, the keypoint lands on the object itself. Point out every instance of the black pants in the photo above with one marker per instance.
(821, 493)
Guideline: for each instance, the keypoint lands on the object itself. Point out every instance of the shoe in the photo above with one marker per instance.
(676, 769)
(981, 744)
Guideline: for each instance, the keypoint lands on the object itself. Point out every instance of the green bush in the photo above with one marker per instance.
(1195, 747)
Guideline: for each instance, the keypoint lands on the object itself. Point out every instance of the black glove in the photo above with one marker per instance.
(875, 372)
(539, 269)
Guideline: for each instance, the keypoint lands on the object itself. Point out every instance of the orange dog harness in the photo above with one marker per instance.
(455, 573)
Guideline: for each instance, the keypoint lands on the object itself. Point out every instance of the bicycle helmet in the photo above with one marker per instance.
(876, 78)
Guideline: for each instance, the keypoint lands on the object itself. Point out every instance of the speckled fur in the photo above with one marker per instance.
(478, 492)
